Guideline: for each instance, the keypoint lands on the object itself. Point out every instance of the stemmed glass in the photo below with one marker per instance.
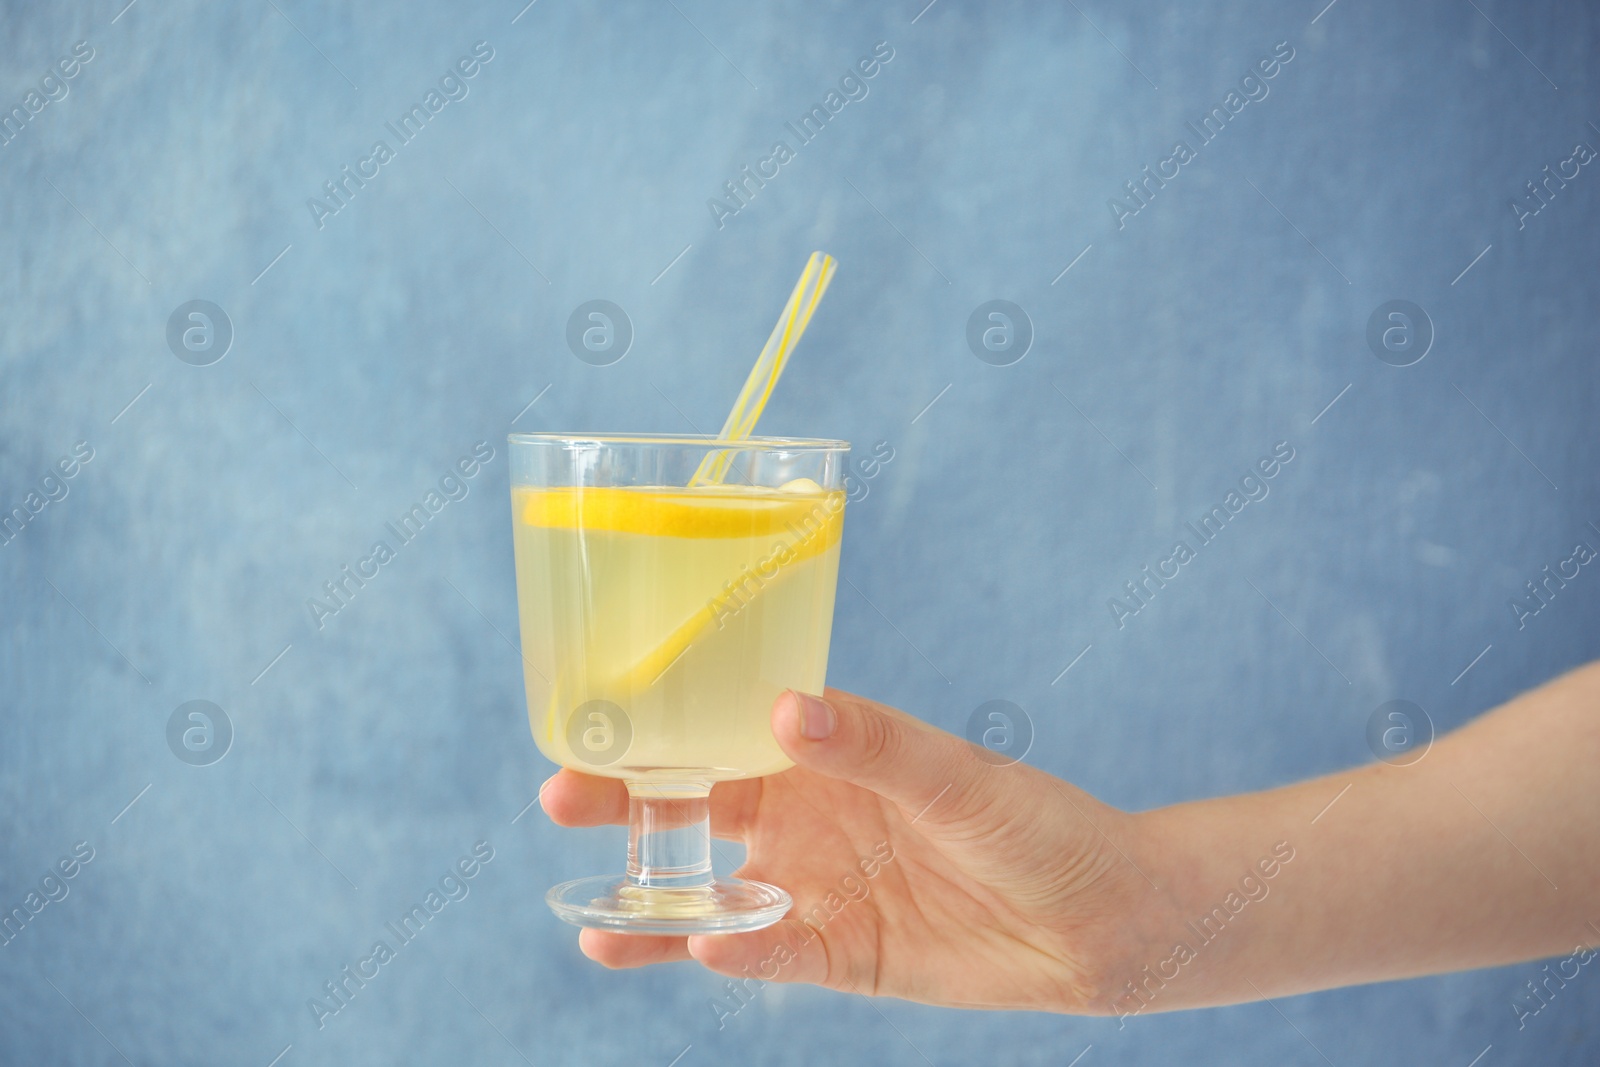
(661, 616)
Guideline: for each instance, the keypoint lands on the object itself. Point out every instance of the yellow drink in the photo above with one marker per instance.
(659, 624)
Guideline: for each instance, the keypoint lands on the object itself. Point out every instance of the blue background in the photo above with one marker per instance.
(425, 316)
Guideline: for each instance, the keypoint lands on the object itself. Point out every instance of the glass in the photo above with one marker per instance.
(659, 623)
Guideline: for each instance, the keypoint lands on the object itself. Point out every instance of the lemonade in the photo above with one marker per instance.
(660, 623)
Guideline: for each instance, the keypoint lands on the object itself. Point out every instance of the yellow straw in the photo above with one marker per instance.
(741, 421)
(786, 334)
(769, 365)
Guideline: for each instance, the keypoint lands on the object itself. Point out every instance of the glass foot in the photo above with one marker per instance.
(726, 906)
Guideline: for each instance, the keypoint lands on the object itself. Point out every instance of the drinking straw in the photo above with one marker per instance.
(786, 334)
(713, 468)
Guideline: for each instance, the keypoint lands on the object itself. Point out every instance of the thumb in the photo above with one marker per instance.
(932, 776)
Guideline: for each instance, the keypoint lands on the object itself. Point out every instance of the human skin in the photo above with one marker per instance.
(1010, 888)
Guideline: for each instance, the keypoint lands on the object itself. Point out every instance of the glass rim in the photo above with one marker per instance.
(770, 444)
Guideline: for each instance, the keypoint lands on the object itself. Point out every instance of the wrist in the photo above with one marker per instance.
(1114, 908)
(1155, 870)
(1214, 865)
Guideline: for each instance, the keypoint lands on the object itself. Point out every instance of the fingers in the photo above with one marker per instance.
(630, 950)
(930, 775)
(789, 951)
(572, 798)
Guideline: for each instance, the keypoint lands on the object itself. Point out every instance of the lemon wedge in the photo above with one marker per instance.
(712, 512)
(810, 516)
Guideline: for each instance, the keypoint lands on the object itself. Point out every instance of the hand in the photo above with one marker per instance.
(919, 870)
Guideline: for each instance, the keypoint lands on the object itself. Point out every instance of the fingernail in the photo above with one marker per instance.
(546, 782)
(817, 720)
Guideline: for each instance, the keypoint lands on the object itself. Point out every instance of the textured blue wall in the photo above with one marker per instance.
(373, 346)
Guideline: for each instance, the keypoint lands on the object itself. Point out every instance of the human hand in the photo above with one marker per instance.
(919, 870)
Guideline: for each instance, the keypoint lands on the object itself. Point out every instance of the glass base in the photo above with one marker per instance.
(726, 906)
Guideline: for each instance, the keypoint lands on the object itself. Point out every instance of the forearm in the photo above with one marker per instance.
(1485, 852)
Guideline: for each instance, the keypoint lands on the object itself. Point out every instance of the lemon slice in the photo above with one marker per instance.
(800, 485)
(814, 541)
(715, 512)
(801, 508)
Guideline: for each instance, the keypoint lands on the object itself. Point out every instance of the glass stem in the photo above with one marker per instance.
(669, 835)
